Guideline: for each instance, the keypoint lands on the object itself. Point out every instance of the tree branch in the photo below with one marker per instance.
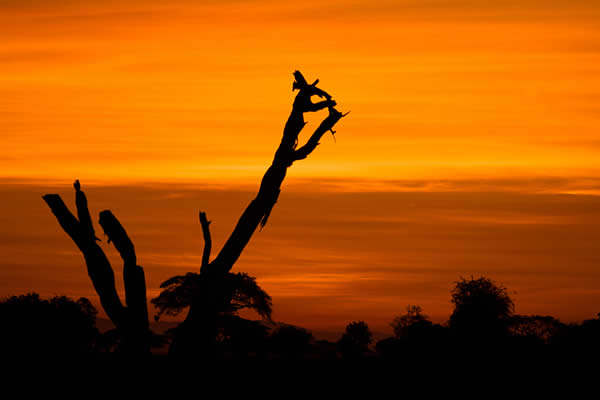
(115, 232)
(98, 266)
(83, 213)
(65, 218)
(313, 142)
(133, 275)
(207, 239)
(259, 209)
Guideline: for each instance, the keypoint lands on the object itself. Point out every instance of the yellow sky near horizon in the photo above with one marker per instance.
(135, 91)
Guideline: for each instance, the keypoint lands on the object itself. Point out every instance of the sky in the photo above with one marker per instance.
(471, 147)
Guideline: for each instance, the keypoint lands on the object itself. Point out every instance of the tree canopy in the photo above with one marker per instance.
(482, 309)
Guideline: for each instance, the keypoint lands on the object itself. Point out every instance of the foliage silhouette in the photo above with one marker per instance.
(414, 334)
(535, 329)
(482, 311)
(401, 324)
(239, 291)
(59, 326)
(290, 342)
(580, 339)
(355, 342)
(240, 338)
(235, 291)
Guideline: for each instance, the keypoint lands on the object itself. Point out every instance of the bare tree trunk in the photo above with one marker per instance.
(196, 333)
(259, 209)
(131, 320)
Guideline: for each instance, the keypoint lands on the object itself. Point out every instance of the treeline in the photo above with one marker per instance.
(483, 321)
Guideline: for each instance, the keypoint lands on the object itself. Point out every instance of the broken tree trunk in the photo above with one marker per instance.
(196, 334)
(131, 320)
(259, 209)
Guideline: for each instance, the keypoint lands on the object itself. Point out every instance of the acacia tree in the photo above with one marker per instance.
(213, 291)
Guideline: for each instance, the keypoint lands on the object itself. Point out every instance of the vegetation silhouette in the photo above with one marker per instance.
(61, 327)
(414, 333)
(535, 330)
(290, 342)
(213, 295)
(482, 311)
(58, 327)
(354, 343)
(402, 324)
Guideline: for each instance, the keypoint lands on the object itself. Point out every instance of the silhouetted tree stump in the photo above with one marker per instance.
(131, 320)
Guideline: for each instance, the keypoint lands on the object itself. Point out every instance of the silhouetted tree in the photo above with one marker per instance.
(241, 290)
(401, 324)
(414, 336)
(482, 310)
(534, 330)
(355, 341)
(212, 293)
(240, 338)
(57, 327)
(131, 320)
(290, 342)
(580, 339)
(238, 291)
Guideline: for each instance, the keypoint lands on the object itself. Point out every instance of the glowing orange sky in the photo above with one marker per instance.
(161, 91)
(463, 97)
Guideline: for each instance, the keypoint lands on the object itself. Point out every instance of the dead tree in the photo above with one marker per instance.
(131, 319)
(196, 334)
(212, 288)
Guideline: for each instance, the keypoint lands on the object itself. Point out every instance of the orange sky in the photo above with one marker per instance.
(447, 97)
(136, 90)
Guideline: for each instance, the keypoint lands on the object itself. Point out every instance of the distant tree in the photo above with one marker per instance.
(401, 324)
(414, 334)
(482, 310)
(589, 333)
(583, 338)
(355, 341)
(35, 327)
(240, 338)
(290, 342)
(535, 329)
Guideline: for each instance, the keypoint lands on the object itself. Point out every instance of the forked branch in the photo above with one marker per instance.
(131, 321)
(259, 209)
